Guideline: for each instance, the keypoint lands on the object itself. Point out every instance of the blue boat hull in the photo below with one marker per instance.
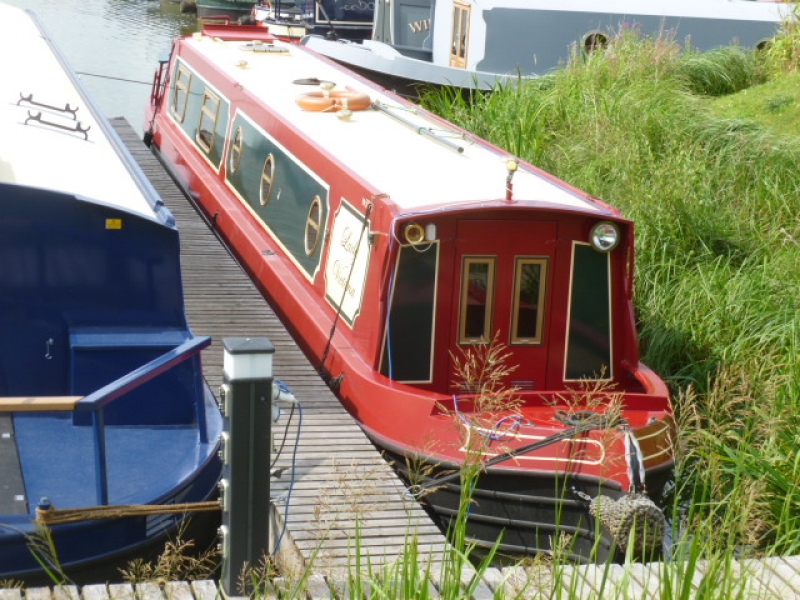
(95, 550)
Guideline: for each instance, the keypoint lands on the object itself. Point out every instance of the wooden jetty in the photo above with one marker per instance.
(339, 476)
(341, 479)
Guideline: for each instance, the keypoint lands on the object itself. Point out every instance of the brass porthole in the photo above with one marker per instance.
(764, 45)
(596, 40)
(236, 150)
(267, 179)
(313, 225)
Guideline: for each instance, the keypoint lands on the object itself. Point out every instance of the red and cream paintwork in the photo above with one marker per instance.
(391, 242)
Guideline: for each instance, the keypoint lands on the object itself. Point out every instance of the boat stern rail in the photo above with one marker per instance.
(38, 403)
(97, 401)
(110, 392)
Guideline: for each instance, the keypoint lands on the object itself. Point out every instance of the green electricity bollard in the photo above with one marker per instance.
(246, 398)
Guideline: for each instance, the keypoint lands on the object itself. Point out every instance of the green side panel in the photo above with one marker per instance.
(407, 346)
(293, 191)
(589, 343)
(191, 120)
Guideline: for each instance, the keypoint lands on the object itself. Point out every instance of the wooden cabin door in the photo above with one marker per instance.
(459, 35)
(503, 289)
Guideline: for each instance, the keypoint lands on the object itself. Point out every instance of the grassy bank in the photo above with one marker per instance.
(702, 152)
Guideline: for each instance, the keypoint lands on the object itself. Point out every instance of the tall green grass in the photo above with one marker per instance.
(716, 202)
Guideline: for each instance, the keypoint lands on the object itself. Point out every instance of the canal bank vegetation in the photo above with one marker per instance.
(702, 152)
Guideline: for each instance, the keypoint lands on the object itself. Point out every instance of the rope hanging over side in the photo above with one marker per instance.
(54, 516)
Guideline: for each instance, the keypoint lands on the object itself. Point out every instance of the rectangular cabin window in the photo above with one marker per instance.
(589, 327)
(477, 300)
(180, 93)
(530, 277)
(460, 35)
(208, 121)
(408, 339)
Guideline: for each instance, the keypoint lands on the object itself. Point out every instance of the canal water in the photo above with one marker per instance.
(114, 46)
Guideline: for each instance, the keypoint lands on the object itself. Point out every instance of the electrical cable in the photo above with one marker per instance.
(292, 479)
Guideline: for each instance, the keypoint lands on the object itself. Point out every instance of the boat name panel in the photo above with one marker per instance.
(348, 259)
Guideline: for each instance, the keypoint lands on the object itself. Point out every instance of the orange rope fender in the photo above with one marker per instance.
(333, 101)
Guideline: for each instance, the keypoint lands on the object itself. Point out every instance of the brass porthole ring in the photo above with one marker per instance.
(313, 225)
(267, 179)
(236, 150)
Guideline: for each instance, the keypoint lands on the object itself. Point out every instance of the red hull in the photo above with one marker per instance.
(410, 395)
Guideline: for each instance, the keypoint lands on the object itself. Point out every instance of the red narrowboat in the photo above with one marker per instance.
(465, 306)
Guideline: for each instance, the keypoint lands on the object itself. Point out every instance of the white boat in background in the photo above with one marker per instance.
(463, 43)
(290, 20)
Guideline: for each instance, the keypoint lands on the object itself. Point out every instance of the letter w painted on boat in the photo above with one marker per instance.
(420, 26)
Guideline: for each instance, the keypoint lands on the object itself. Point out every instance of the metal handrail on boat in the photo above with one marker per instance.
(99, 399)
(423, 131)
(111, 391)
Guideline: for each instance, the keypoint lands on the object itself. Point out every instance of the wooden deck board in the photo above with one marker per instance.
(121, 591)
(333, 451)
(96, 591)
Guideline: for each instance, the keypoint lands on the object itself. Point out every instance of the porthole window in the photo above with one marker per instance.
(267, 179)
(764, 45)
(313, 226)
(236, 150)
(596, 40)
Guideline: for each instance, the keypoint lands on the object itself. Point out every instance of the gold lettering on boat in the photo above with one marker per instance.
(420, 26)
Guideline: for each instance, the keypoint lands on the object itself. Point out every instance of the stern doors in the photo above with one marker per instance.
(501, 292)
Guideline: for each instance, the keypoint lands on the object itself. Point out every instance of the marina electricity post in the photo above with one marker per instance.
(246, 398)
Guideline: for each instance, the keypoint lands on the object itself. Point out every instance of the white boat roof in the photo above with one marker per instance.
(392, 158)
(744, 10)
(42, 155)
